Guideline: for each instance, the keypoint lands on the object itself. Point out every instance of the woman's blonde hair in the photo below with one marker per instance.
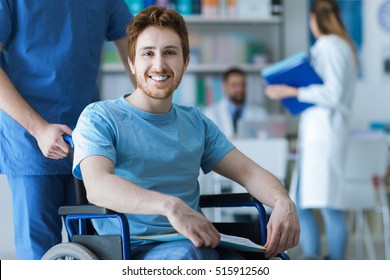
(327, 16)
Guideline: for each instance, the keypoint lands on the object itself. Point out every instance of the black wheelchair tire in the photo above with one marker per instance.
(69, 251)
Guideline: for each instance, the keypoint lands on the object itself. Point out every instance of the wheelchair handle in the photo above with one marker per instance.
(68, 139)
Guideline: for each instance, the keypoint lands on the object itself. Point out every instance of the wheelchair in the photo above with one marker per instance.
(85, 244)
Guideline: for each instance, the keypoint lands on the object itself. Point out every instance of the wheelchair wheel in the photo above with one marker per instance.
(69, 251)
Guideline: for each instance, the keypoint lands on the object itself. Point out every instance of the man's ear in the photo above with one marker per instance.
(131, 65)
(186, 62)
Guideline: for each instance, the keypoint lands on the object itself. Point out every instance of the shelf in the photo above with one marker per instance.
(112, 68)
(196, 19)
(192, 68)
(220, 68)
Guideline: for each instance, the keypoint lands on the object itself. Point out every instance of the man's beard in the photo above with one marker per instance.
(151, 91)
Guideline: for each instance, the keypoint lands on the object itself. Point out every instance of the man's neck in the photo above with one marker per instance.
(145, 103)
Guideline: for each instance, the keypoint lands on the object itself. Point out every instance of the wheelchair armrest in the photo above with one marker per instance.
(238, 200)
(84, 209)
(222, 200)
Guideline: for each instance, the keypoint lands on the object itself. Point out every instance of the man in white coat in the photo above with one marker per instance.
(230, 110)
(226, 114)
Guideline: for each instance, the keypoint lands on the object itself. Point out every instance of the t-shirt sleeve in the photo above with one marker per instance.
(216, 145)
(119, 18)
(93, 136)
(5, 21)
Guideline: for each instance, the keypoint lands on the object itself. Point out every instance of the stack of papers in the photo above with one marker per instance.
(227, 241)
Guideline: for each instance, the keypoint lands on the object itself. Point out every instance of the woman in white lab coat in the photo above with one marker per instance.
(323, 132)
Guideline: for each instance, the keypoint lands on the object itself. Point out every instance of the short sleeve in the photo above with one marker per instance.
(216, 145)
(93, 135)
(119, 18)
(5, 21)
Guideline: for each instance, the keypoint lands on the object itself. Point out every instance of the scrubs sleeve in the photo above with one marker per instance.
(5, 21)
(216, 145)
(119, 18)
(93, 136)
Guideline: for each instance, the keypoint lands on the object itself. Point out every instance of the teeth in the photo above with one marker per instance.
(159, 78)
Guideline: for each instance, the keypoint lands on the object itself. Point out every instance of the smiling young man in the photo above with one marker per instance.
(140, 154)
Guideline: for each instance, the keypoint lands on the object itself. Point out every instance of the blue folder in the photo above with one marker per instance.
(295, 71)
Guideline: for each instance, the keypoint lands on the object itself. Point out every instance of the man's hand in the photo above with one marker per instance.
(50, 141)
(193, 225)
(283, 228)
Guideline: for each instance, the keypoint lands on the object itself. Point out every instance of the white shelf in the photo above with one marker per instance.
(219, 68)
(197, 19)
(192, 68)
(112, 68)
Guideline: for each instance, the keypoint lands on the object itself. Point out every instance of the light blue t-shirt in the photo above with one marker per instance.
(160, 152)
(51, 53)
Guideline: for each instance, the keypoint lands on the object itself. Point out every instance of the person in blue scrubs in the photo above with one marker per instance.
(50, 55)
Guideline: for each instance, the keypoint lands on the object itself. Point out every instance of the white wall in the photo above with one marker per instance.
(372, 101)
(296, 39)
(296, 36)
(7, 249)
(114, 85)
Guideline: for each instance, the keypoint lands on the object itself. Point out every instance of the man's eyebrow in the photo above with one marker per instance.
(171, 47)
(153, 48)
(146, 48)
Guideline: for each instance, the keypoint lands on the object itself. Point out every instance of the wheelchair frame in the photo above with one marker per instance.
(84, 245)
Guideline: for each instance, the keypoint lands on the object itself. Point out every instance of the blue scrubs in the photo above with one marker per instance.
(51, 52)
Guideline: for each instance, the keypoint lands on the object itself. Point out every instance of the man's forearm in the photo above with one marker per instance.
(259, 182)
(108, 190)
(266, 187)
(14, 105)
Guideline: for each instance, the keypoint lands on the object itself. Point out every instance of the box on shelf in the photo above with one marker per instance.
(253, 8)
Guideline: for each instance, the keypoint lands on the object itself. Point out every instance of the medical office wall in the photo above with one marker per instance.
(373, 89)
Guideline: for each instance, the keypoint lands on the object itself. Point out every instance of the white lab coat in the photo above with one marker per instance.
(324, 128)
(219, 113)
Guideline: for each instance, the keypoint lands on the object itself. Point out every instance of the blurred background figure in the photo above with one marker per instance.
(227, 114)
(232, 108)
(323, 132)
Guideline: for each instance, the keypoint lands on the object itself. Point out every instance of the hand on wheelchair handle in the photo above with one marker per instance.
(68, 139)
